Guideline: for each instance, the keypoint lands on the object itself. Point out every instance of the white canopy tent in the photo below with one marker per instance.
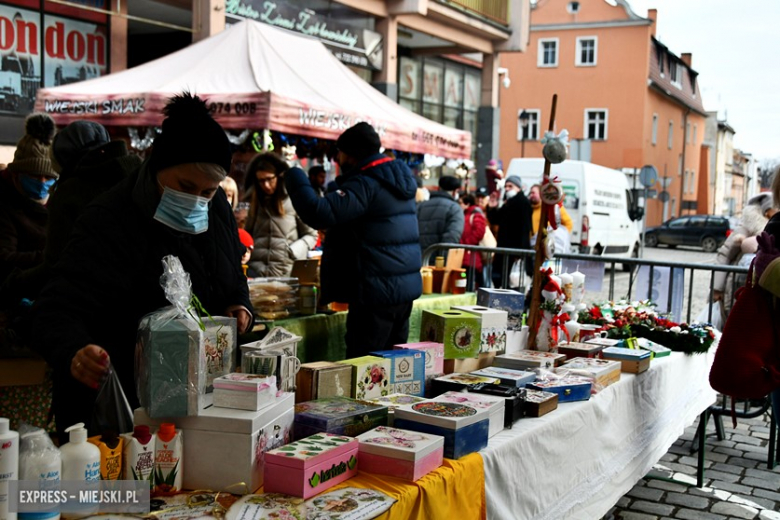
(255, 76)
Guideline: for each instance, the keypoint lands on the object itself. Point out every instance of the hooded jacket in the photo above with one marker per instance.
(108, 278)
(279, 241)
(440, 220)
(371, 253)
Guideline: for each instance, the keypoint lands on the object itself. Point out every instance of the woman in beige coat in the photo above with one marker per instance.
(280, 236)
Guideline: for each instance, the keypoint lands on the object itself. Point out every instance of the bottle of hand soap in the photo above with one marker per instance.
(80, 459)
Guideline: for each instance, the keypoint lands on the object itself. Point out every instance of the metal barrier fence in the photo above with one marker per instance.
(630, 265)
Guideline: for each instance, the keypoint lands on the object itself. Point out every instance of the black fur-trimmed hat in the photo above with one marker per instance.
(189, 135)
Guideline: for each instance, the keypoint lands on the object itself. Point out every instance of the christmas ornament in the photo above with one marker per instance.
(555, 148)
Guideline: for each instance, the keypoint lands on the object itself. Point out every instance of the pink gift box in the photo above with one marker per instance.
(400, 453)
(311, 465)
(434, 355)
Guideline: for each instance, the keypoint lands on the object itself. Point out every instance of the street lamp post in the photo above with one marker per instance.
(523, 118)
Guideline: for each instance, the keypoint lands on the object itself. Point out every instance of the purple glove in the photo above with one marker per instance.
(767, 251)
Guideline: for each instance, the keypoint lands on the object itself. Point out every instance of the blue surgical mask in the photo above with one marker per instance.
(183, 212)
(34, 188)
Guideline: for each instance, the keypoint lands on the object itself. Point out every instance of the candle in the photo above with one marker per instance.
(573, 328)
(567, 285)
(578, 292)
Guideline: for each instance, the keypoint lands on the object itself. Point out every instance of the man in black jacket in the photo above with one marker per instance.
(108, 277)
(371, 254)
(514, 226)
(440, 218)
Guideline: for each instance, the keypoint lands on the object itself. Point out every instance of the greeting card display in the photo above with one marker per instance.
(338, 415)
(459, 331)
(310, 466)
(464, 428)
(400, 453)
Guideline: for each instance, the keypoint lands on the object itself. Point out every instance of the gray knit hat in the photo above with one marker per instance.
(764, 200)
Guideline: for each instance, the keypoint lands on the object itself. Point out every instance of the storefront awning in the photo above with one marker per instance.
(255, 76)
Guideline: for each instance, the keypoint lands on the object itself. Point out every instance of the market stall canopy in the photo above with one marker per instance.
(255, 76)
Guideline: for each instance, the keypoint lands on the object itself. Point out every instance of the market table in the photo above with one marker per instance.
(323, 334)
(575, 462)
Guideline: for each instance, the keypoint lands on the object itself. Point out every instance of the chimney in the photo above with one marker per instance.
(652, 14)
(687, 59)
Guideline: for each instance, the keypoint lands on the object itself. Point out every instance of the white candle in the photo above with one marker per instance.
(578, 278)
(567, 286)
(573, 328)
(578, 293)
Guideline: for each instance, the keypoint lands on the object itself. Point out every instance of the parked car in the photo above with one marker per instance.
(705, 231)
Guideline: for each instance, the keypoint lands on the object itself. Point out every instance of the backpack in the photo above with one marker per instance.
(747, 359)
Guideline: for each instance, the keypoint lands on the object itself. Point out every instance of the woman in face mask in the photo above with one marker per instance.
(24, 190)
(109, 275)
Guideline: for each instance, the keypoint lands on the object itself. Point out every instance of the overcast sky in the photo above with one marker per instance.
(735, 46)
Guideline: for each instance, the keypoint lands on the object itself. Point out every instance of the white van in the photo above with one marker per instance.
(598, 199)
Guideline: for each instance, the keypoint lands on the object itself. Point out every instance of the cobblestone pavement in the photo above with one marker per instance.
(738, 483)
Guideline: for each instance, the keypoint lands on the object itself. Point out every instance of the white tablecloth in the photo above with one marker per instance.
(577, 461)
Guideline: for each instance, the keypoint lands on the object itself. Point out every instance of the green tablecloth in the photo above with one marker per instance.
(323, 334)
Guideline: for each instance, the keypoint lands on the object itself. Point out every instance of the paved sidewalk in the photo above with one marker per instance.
(738, 484)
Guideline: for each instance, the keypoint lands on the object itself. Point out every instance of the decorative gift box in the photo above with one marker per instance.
(656, 349)
(311, 465)
(633, 361)
(514, 406)
(494, 323)
(407, 370)
(494, 406)
(464, 428)
(603, 342)
(574, 350)
(603, 371)
(244, 391)
(177, 362)
(507, 376)
(459, 331)
(323, 379)
(434, 355)
(568, 388)
(370, 377)
(529, 359)
(393, 401)
(539, 403)
(463, 366)
(224, 446)
(339, 416)
(408, 455)
(457, 382)
(513, 302)
(276, 354)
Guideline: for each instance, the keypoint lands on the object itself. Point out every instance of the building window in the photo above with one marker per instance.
(695, 128)
(655, 129)
(671, 131)
(661, 60)
(548, 52)
(596, 124)
(675, 74)
(531, 131)
(587, 51)
(692, 182)
(688, 133)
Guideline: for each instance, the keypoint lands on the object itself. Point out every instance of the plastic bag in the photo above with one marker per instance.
(112, 412)
(179, 353)
(717, 315)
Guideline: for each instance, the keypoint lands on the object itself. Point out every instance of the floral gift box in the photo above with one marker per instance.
(338, 415)
(400, 453)
(370, 376)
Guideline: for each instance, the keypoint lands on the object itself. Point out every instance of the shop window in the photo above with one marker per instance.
(596, 124)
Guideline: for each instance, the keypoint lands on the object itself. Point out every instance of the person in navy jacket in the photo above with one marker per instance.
(371, 253)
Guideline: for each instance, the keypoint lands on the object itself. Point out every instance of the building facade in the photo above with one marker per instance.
(624, 97)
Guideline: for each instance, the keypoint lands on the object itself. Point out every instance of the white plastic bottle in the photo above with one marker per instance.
(9, 465)
(40, 460)
(80, 459)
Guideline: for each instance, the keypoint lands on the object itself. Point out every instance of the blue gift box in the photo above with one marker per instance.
(407, 370)
(507, 376)
(464, 428)
(513, 302)
(570, 388)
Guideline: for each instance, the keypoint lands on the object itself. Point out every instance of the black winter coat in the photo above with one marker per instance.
(514, 227)
(440, 220)
(109, 277)
(371, 253)
(22, 229)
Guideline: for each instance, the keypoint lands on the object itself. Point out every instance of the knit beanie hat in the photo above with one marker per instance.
(449, 183)
(764, 200)
(32, 150)
(189, 135)
(514, 179)
(72, 143)
(359, 141)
